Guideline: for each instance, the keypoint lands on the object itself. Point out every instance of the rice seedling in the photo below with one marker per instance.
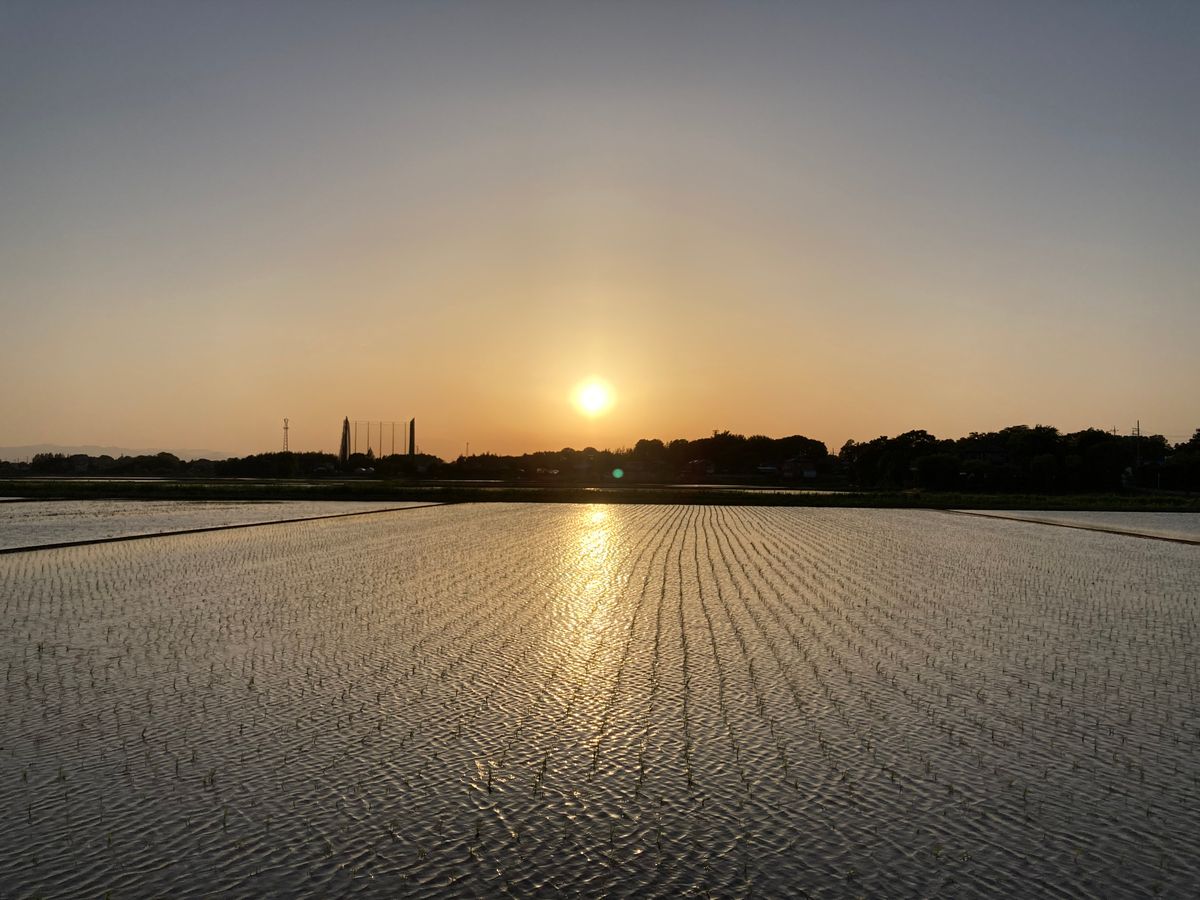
(706, 700)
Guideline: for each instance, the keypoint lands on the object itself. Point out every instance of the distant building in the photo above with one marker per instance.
(698, 470)
(344, 450)
(800, 467)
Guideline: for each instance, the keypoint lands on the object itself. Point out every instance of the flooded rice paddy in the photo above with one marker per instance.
(523, 699)
(1178, 526)
(29, 523)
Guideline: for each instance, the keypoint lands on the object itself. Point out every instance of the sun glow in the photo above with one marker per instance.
(594, 397)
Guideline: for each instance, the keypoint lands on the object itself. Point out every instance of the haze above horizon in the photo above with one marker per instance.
(838, 220)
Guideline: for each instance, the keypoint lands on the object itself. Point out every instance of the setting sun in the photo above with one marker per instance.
(594, 397)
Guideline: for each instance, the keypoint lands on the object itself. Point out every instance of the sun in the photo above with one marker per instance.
(594, 397)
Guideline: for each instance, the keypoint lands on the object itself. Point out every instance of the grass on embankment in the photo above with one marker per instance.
(449, 492)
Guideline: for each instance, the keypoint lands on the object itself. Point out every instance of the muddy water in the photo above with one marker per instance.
(603, 700)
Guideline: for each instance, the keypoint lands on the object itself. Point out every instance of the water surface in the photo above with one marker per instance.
(34, 522)
(523, 699)
(1181, 525)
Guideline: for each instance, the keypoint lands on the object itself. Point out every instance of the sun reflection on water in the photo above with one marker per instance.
(589, 578)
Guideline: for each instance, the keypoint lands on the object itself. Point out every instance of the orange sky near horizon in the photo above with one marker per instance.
(769, 219)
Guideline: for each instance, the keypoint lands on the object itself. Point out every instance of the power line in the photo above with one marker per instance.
(376, 431)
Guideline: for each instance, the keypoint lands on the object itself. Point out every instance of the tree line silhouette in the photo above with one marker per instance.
(1024, 458)
(1019, 458)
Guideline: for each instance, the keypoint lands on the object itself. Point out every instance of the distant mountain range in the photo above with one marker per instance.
(19, 454)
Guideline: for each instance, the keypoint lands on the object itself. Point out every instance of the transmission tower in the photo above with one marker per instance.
(285, 431)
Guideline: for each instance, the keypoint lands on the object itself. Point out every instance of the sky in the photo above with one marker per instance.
(840, 220)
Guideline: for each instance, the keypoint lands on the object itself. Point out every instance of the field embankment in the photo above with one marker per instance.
(498, 492)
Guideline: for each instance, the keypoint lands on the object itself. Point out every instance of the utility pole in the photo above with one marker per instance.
(1137, 449)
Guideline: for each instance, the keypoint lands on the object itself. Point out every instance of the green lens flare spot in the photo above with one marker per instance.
(618, 473)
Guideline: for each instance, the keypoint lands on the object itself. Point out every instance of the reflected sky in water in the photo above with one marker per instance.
(489, 699)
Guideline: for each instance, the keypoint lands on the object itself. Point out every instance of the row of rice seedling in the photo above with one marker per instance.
(527, 699)
(953, 691)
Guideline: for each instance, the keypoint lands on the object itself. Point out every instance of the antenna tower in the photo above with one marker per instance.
(285, 431)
